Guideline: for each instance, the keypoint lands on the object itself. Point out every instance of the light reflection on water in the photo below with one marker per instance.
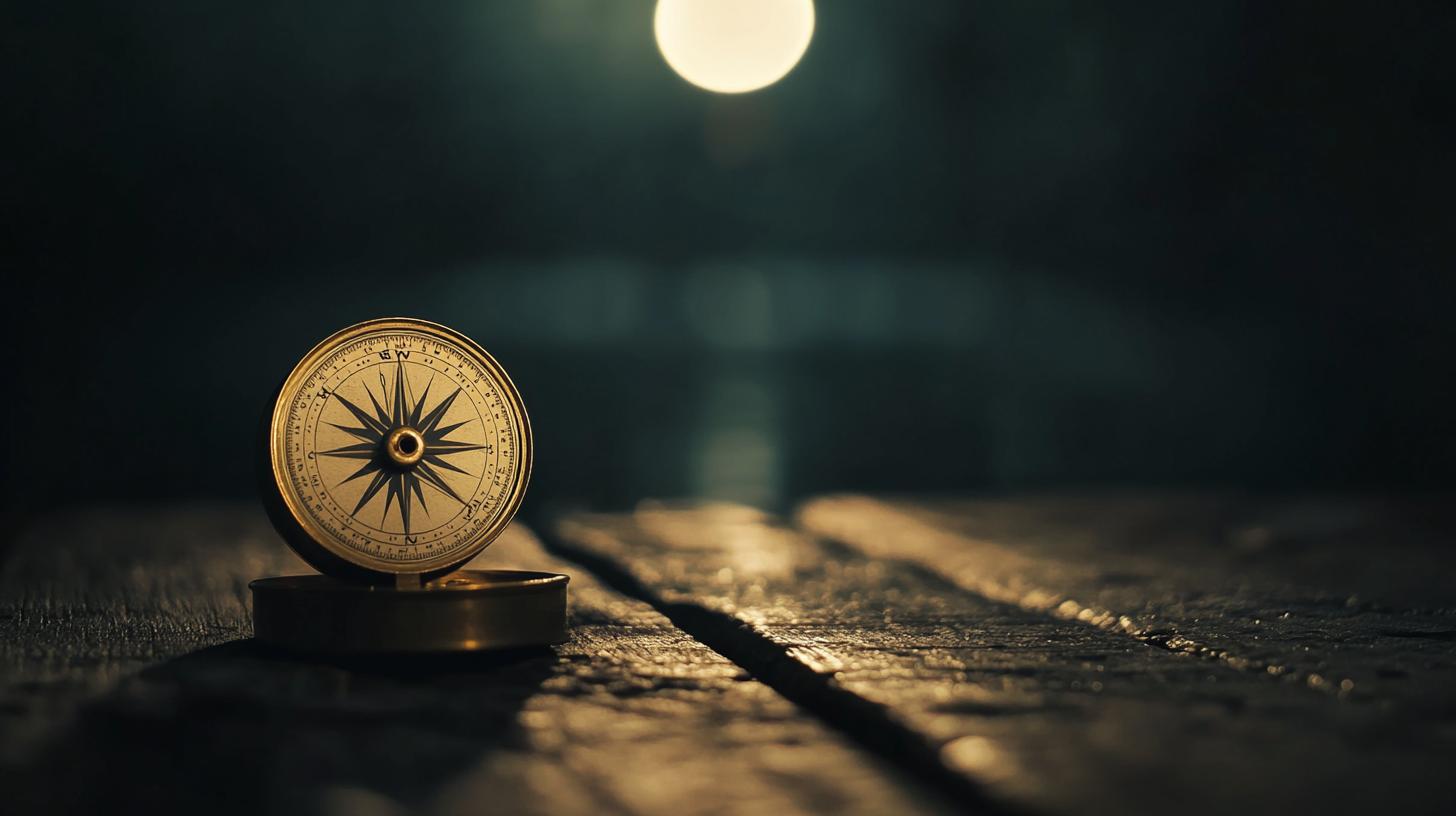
(736, 455)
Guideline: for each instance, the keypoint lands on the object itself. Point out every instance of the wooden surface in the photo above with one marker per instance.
(129, 682)
(1113, 653)
(1130, 670)
(1353, 598)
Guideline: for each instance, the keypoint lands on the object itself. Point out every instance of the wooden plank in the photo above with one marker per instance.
(1039, 711)
(1350, 597)
(128, 677)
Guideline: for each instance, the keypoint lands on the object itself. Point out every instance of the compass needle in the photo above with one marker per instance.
(369, 421)
(384, 420)
(414, 483)
(439, 434)
(402, 489)
(397, 410)
(348, 454)
(440, 448)
(369, 467)
(433, 479)
(363, 450)
(391, 491)
(427, 425)
(436, 461)
(370, 491)
(420, 406)
(363, 433)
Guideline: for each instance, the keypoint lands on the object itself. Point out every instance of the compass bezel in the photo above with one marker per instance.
(307, 538)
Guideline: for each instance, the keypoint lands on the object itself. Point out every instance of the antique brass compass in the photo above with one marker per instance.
(398, 450)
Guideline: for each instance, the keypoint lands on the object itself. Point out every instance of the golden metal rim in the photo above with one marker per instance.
(492, 582)
(494, 609)
(283, 488)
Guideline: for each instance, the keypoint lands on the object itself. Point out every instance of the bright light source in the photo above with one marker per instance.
(733, 46)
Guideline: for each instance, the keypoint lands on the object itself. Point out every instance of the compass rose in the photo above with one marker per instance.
(402, 446)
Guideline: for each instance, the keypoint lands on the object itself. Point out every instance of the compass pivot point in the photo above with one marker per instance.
(404, 446)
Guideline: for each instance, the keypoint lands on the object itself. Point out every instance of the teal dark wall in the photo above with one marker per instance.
(962, 245)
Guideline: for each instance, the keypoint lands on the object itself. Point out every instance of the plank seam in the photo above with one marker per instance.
(868, 724)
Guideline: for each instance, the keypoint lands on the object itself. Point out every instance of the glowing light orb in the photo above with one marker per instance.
(733, 46)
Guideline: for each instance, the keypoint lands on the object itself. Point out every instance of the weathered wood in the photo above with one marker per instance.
(129, 682)
(1039, 710)
(1350, 597)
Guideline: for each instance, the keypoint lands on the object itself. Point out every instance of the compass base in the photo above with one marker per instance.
(465, 611)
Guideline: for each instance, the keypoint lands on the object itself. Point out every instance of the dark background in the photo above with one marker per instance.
(963, 245)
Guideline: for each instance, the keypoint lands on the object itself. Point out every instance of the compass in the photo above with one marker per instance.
(397, 451)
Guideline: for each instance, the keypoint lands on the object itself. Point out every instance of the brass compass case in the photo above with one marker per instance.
(396, 447)
(398, 450)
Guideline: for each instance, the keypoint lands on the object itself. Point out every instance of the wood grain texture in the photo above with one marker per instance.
(129, 682)
(1344, 596)
(1036, 709)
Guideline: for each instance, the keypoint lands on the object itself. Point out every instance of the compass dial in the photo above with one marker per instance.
(397, 446)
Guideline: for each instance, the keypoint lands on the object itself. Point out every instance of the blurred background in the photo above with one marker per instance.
(962, 245)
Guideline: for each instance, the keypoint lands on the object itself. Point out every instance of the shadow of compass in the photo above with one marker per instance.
(128, 682)
(242, 728)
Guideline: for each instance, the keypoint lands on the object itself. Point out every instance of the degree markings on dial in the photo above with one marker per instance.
(436, 482)
(475, 509)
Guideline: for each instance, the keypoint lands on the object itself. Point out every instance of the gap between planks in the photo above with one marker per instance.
(872, 726)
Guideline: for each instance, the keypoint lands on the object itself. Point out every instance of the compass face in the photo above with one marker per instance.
(399, 446)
